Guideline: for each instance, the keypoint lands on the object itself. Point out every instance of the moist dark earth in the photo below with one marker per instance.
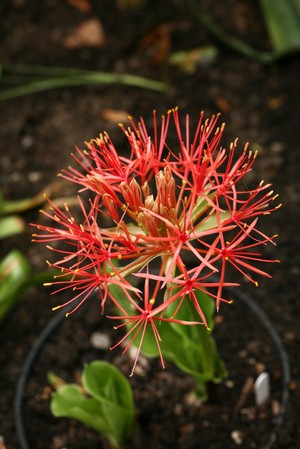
(259, 103)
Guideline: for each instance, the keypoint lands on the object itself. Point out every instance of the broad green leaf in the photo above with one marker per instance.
(113, 385)
(282, 19)
(11, 225)
(105, 402)
(107, 384)
(14, 272)
(191, 348)
(70, 402)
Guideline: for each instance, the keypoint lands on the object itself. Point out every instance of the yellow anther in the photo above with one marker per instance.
(56, 308)
(152, 301)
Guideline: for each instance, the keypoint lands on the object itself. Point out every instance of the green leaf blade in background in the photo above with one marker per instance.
(282, 18)
(14, 273)
(11, 225)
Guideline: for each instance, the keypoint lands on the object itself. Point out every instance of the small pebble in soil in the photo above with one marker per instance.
(178, 409)
(229, 383)
(243, 354)
(27, 141)
(192, 399)
(249, 413)
(35, 176)
(262, 389)
(142, 363)
(276, 408)
(237, 437)
(99, 340)
(260, 367)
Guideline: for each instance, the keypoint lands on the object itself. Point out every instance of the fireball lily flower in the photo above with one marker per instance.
(179, 215)
(146, 316)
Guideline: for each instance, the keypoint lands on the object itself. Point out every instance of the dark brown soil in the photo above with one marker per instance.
(259, 103)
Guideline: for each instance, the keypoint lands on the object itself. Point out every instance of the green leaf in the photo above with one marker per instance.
(14, 272)
(11, 225)
(191, 348)
(211, 222)
(113, 386)
(69, 402)
(107, 384)
(190, 60)
(53, 78)
(282, 19)
(105, 402)
(22, 205)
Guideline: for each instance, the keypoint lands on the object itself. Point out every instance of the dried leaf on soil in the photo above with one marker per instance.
(89, 33)
(82, 5)
(157, 43)
(115, 115)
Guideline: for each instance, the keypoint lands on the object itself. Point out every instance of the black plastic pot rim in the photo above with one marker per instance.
(54, 323)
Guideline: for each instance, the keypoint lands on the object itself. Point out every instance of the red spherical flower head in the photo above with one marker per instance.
(180, 212)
